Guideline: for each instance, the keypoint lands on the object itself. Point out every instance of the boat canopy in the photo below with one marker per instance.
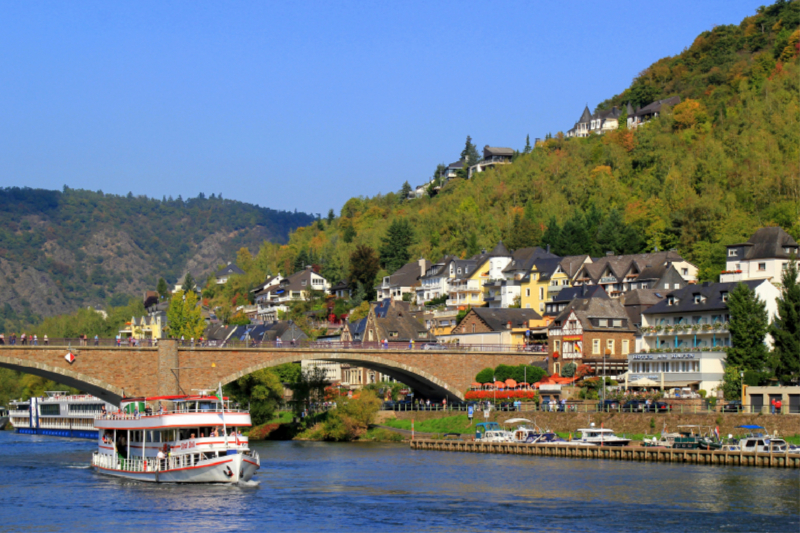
(750, 426)
(517, 421)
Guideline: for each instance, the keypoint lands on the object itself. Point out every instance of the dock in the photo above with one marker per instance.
(613, 453)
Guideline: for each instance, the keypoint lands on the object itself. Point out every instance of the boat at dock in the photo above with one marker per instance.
(599, 437)
(176, 439)
(58, 414)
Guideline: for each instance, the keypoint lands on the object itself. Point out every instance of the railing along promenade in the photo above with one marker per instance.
(621, 453)
(272, 345)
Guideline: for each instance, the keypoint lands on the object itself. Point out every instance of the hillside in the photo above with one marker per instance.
(63, 249)
(722, 163)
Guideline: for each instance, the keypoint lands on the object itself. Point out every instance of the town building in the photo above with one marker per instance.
(644, 114)
(593, 331)
(622, 273)
(224, 274)
(354, 331)
(764, 256)
(275, 293)
(696, 317)
(509, 290)
(491, 326)
(391, 320)
(492, 156)
(149, 327)
(759, 399)
(436, 281)
(467, 290)
(676, 370)
(404, 281)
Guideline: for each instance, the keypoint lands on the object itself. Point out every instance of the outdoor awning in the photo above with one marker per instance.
(645, 382)
(511, 383)
(476, 384)
(678, 384)
(499, 384)
(517, 421)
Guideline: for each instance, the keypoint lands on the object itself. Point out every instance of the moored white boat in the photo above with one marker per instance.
(176, 439)
(600, 437)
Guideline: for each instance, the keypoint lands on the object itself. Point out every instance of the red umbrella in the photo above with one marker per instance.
(510, 383)
(499, 384)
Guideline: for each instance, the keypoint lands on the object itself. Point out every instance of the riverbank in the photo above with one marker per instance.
(283, 427)
(628, 423)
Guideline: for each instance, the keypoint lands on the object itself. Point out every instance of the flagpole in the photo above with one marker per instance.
(224, 427)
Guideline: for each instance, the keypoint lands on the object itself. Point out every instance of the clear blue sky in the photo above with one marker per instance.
(306, 104)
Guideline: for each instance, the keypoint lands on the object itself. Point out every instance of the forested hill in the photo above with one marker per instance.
(62, 249)
(706, 173)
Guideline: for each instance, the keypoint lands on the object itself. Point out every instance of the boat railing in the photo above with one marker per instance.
(147, 464)
(135, 416)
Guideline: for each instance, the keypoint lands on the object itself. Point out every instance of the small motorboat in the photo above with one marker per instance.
(600, 437)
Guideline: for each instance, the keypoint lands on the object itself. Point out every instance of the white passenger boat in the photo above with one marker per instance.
(600, 437)
(58, 414)
(176, 439)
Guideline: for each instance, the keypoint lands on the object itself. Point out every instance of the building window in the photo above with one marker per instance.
(527, 306)
(666, 286)
(557, 368)
(617, 323)
(528, 291)
(541, 293)
(394, 334)
(732, 252)
(625, 347)
(762, 267)
(684, 272)
(697, 298)
(422, 334)
(610, 345)
(473, 328)
(370, 335)
(724, 295)
(541, 307)
(557, 345)
(602, 322)
(596, 347)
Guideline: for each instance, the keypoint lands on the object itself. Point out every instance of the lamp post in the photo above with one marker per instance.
(605, 354)
(741, 375)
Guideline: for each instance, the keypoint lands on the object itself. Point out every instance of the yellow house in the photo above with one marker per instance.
(468, 290)
(146, 327)
(543, 282)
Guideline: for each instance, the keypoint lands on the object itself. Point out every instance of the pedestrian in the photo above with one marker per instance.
(35, 340)
(772, 406)
(778, 406)
(192, 341)
(2, 340)
(96, 340)
(411, 344)
(23, 339)
(183, 341)
(46, 340)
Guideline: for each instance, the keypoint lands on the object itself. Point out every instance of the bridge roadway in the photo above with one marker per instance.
(111, 372)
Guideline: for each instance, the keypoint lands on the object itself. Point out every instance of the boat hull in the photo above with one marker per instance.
(227, 469)
(69, 433)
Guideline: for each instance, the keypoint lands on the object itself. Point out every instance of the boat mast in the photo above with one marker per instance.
(224, 427)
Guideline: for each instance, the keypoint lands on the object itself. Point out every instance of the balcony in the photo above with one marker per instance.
(554, 289)
(608, 279)
(685, 329)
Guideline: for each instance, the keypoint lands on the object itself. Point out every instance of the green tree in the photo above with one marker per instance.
(748, 327)
(261, 390)
(359, 294)
(568, 370)
(575, 237)
(405, 190)
(622, 121)
(301, 261)
(364, 266)
(470, 154)
(331, 216)
(527, 148)
(732, 383)
(485, 376)
(349, 233)
(552, 235)
(162, 288)
(309, 388)
(188, 283)
(785, 329)
(395, 245)
(352, 416)
(184, 316)
(522, 234)
(288, 372)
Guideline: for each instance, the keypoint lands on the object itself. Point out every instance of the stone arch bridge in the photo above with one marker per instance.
(111, 373)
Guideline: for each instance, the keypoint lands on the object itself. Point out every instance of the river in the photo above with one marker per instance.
(308, 486)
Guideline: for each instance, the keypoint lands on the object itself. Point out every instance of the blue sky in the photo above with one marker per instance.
(302, 105)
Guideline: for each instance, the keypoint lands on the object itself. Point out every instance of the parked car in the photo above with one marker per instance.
(660, 407)
(608, 405)
(635, 406)
(434, 346)
(403, 405)
(733, 406)
(388, 405)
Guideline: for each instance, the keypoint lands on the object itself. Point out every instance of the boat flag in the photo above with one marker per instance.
(716, 432)
(70, 357)
(224, 426)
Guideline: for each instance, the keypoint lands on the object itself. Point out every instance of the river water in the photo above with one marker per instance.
(45, 485)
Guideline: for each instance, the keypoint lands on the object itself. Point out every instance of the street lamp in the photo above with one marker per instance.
(605, 354)
(741, 375)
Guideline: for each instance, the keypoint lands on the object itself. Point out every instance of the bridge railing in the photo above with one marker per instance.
(535, 349)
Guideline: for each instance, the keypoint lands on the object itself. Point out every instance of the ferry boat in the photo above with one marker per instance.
(58, 414)
(176, 439)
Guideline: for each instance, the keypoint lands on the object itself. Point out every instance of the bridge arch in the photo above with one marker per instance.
(65, 376)
(426, 384)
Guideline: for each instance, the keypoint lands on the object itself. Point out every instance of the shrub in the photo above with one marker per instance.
(569, 370)
(702, 393)
(485, 376)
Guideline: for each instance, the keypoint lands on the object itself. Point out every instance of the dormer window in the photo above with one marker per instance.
(732, 252)
(724, 295)
(697, 298)
(762, 267)
(670, 300)
(303, 283)
(459, 271)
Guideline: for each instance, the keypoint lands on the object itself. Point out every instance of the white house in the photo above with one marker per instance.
(764, 256)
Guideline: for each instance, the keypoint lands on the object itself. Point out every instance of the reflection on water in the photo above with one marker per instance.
(45, 485)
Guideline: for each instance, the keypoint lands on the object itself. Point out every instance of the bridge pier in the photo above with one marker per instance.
(168, 368)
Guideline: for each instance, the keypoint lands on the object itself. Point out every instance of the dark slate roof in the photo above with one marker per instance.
(643, 296)
(768, 243)
(489, 151)
(524, 258)
(357, 327)
(382, 307)
(711, 293)
(620, 265)
(497, 319)
(655, 107)
(408, 275)
(294, 282)
(629, 108)
(586, 116)
(396, 316)
(571, 263)
(588, 308)
(340, 286)
(547, 266)
(229, 270)
(614, 112)
(500, 251)
(568, 294)
(458, 164)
